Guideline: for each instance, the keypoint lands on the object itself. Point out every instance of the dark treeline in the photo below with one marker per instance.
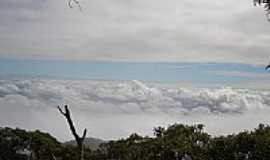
(177, 142)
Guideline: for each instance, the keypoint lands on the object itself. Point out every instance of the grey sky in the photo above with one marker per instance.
(137, 30)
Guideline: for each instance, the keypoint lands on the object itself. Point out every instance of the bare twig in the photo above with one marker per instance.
(60, 110)
(76, 2)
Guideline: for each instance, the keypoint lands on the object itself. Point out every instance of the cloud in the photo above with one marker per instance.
(135, 93)
(113, 109)
(137, 30)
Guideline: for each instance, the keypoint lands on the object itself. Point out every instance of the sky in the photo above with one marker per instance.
(127, 66)
(192, 74)
(135, 30)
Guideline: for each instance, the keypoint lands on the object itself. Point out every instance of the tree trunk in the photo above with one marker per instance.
(78, 139)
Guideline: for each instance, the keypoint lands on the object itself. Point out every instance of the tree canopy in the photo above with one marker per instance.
(175, 142)
(266, 4)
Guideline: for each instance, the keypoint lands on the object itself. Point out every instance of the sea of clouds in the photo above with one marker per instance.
(115, 109)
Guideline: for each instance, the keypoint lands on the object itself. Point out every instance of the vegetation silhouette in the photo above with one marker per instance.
(175, 142)
(266, 4)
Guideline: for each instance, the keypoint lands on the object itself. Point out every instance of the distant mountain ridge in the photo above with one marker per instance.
(92, 143)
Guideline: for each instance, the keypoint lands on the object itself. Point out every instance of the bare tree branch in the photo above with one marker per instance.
(84, 133)
(78, 139)
(60, 110)
(76, 2)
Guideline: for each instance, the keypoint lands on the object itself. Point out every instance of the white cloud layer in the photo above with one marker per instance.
(113, 109)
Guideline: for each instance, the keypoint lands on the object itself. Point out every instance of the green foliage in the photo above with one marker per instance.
(263, 2)
(19, 144)
(179, 141)
(174, 143)
(266, 4)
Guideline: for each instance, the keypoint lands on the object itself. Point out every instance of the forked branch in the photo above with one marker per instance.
(78, 139)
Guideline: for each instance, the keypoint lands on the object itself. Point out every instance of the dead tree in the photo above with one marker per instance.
(78, 139)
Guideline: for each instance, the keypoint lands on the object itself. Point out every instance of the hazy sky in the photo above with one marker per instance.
(197, 74)
(135, 30)
(41, 41)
